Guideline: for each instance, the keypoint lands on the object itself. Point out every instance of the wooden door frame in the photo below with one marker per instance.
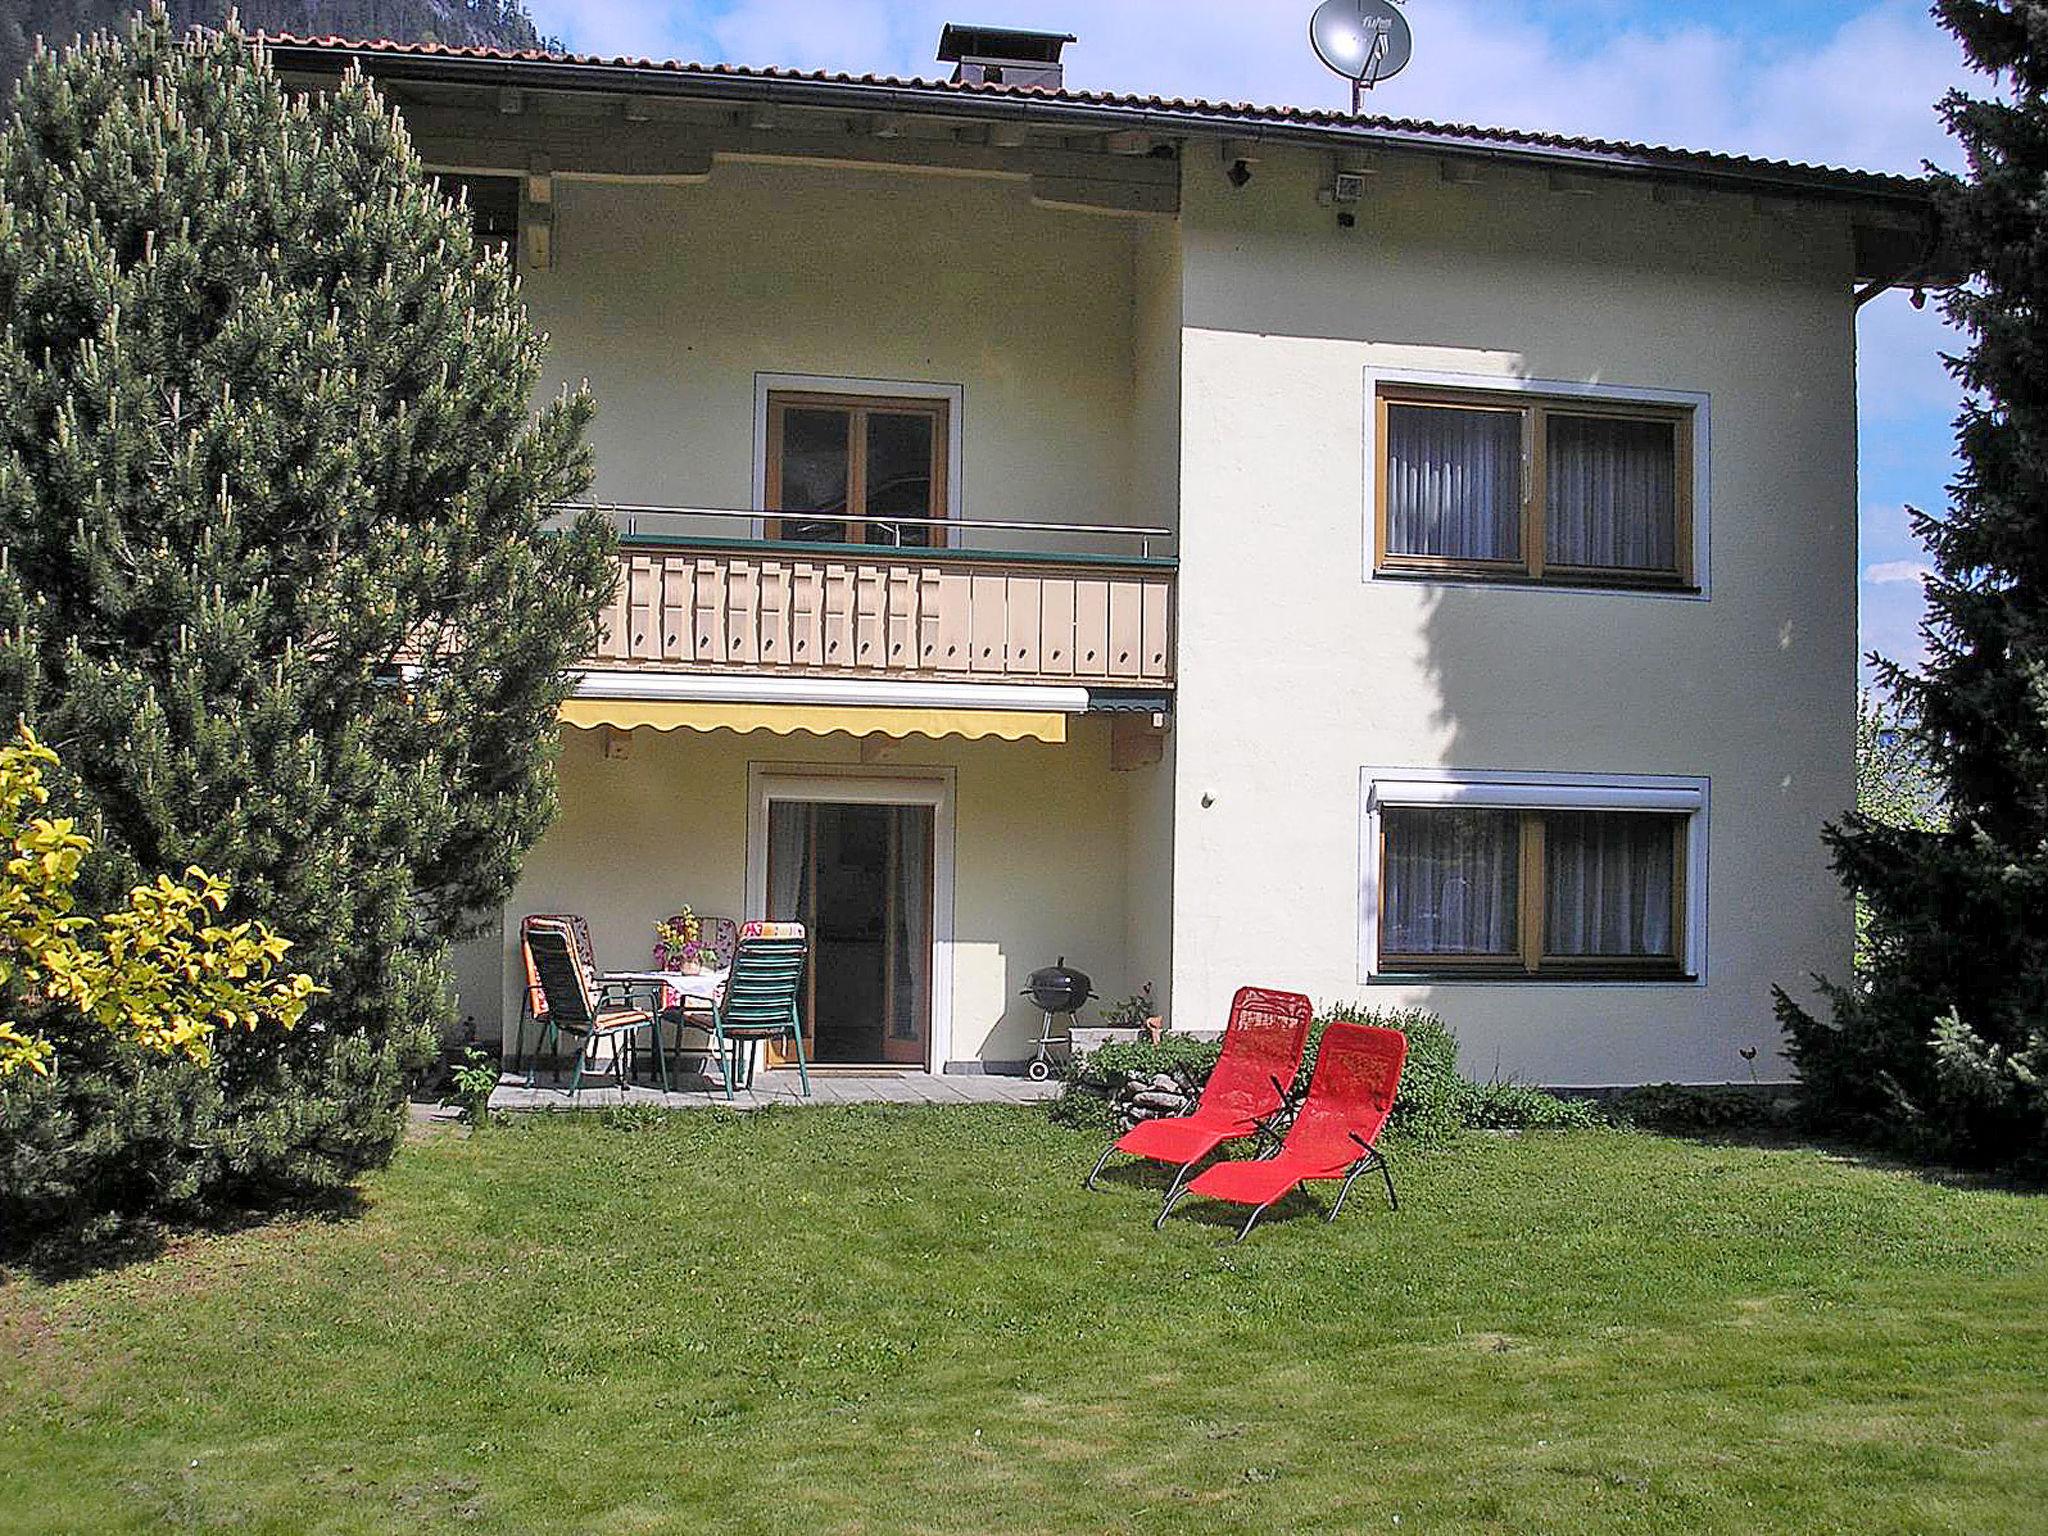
(852, 391)
(845, 784)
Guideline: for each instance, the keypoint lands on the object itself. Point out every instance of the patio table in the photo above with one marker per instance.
(690, 986)
(698, 987)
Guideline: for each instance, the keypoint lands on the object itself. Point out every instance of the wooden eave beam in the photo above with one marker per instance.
(597, 149)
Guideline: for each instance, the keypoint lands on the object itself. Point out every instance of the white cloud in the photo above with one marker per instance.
(1891, 618)
(1890, 573)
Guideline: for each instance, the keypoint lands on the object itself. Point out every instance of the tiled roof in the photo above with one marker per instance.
(1182, 112)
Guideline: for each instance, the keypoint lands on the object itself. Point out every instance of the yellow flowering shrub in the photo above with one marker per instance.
(161, 971)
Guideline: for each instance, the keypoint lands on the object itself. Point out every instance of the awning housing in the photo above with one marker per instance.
(814, 719)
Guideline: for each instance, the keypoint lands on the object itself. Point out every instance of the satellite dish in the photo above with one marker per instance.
(1365, 41)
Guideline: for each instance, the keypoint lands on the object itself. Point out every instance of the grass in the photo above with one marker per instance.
(914, 1320)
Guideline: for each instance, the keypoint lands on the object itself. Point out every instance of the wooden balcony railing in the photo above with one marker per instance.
(685, 604)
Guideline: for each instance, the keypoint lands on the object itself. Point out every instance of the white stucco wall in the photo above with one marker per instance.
(670, 299)
(1040, 860)
(1156, 412)
(1297, 670)
(1215, 371)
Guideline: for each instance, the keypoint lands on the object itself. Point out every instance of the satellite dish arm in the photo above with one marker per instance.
(1370, 75)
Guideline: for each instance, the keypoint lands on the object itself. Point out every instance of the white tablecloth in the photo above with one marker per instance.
(702, 987)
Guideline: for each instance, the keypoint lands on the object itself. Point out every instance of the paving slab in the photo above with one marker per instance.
(781, 1088)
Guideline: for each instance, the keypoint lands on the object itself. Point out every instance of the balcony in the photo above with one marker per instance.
(694, 598)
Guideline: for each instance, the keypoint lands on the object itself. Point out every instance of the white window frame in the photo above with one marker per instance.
(1698, 402)
(954, 395)
(1685, 795)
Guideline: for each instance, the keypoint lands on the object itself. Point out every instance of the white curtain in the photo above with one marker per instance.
(1612, 493)
(1609, 876)
(1454, 482)
(791, 825)
(1452, 878)
(910, 935)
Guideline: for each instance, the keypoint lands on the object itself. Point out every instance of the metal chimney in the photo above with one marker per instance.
(1004, 56)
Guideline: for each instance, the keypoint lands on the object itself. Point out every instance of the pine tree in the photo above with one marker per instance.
(1946, 1039)
(276, 582)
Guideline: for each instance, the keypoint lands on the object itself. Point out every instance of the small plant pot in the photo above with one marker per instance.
(1154, 1027)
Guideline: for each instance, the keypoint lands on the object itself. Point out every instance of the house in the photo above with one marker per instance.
(1400, 561)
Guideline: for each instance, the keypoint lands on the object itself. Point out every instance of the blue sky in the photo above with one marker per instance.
(1841, 82)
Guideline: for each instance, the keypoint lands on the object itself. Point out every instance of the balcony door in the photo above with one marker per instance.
(859, 878)
(833, 459)
(864, 862)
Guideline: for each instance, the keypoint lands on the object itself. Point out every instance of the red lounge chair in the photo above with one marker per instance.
(1334, 1135)
(1262, 1046)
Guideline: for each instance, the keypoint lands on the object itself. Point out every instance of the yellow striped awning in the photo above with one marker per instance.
(814, 719)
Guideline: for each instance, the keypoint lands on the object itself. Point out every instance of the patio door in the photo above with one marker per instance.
(834, 457)
(860, 876)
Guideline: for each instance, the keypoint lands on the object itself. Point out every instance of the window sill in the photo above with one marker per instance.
(1450, 576)
(1520, 978)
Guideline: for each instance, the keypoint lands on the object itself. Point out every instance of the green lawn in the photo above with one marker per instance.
(915, 1320)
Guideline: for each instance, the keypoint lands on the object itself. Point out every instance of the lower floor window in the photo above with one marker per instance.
(1587, 893)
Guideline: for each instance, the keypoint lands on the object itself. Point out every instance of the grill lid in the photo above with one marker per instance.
(1058, 988)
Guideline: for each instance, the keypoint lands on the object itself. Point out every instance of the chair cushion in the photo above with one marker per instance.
(622, 1018)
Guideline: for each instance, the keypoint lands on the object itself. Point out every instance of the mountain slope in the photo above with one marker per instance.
(495, 23)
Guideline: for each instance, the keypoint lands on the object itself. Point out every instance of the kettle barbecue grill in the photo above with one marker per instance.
(1055, 989)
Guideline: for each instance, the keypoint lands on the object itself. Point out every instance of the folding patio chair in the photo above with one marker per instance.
(533, 1002)
(1262, 1046)
(1336, 1131)
(760, 1000)
(574, 1007)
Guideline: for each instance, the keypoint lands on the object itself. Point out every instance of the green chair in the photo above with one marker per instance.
(574, 1007)
(761, 1001)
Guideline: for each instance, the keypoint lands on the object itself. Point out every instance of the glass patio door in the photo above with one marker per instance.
(858, 876)
(834, 458)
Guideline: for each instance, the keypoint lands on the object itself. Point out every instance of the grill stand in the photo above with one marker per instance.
(1040, 1068)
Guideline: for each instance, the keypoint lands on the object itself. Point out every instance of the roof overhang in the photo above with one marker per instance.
(1895, 227)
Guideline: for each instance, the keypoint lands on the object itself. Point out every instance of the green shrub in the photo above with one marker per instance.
(1093, 1081)
(1680, 1110)
(471, 1084)
(1114, 1064)
(1519, 1107)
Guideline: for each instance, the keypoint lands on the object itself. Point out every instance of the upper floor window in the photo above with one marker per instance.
(1586, 492)
(859, 469)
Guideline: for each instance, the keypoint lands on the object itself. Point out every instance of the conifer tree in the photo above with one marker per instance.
(276, 582)
(457, 23)
(1945, 1039)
